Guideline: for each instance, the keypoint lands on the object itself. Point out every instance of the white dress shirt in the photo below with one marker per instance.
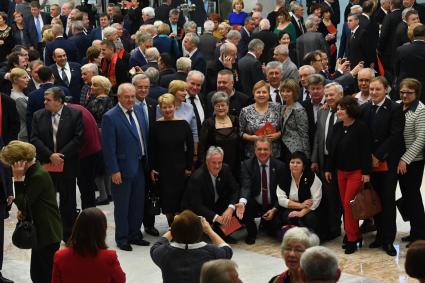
(315, 190)
(67, 71)
(199, 107)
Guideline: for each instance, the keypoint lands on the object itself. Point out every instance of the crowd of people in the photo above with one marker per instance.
(281, 115)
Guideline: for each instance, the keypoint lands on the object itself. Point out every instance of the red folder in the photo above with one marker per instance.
(53, 168)
(382, 167)
(232, 227)
(267, 129)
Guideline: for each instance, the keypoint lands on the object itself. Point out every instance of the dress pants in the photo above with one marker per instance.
(410, 186)
(42, 263)
(66, 187)
(129, 200)
(253, 210)
(148, 218)
(310, 220)
(85, 180)
(385, 184)
(349, 184)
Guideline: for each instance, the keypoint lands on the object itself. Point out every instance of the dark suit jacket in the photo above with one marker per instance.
(421, 11)
(68, 138)
(386, 37)
(409, 63)
(386, 129)
(207, 45)
(137, 59)
(96, 33)
(31, 30)
(166, 79)
(251, 179)
(243, 43)
(308, 106)
(75, 82)
(270, 40)
(250, 72)
(151, 103)
(359, 49)
(379, 15)
(162, 12)
(400, 35)
(198, 61)
(10, 119)
(199, 194)
(82, 42)
(121, 73)
(298, 31)
(68, 45)
(156, 91)
(310, 41)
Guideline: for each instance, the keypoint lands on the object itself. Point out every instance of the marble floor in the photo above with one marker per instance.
(257, 263)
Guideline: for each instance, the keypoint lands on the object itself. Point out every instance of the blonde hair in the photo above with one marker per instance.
(237, 2)
(17, 151)
(17, 73)
(176, 85)
(166, 98)
(103, 82)
(164, 28)
(48, 35)
(410, 30)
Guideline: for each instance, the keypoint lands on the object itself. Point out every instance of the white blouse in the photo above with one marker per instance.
(315, 190)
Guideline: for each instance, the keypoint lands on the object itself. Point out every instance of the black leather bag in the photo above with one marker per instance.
(153, 202)
(25, 234)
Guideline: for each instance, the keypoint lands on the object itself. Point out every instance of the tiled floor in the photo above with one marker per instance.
(257, 263)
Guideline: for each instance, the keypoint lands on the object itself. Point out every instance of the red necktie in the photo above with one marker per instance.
(264, 190)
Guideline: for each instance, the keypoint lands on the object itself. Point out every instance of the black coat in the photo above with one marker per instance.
(387, 35)
(70, 47)
(166, 79)
(270, 40)
(75, 81)
(10, 119)
(243, 43)
(250, 72)
(358, 48)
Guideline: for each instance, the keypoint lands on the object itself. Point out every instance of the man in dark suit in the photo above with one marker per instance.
(195, 80)
(80, 39)
(67, 74)
(190, 43)
(335, 12)
(97, 33)
(155, 90)
(142, 84)
(212, 190)
(310, 41)
(57, 134)
(68, 46)
(183, 66)
(409, 18)
(163, 10)
(34, 24)
(246, 32)
(260, 177)
(269, 38)
(417, 7)
(410, 59)
(385, 120)
(176, 22)
(55, 13)
(125, 140)
(326, 118)
(358, 48)
(274, 78)
(250, 69)
(382, 11)
(112, 66)
(138, 57)
(297, 18)
(208, 42)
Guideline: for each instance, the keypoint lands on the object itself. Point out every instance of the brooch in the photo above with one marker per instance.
(218, 179)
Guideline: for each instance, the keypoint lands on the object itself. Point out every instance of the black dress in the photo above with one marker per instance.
(8, 42)
(99, 106)
(171, 153)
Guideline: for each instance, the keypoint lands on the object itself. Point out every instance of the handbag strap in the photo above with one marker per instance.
(27, 209)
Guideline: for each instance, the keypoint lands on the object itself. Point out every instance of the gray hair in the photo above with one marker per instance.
(173, 12)
(142, 37)
(295, 5)
(109, 31)
(148, 11)
(152, 54)
(123, 87)
(310, 25)
(319, 264)
(403, 14)
(57, 30)
(213, 150)
(282, 49)
(339, 89)
(193, 38)
(57, 94)
(255, 44)
(116, 25)
(91, 67)
(77, 25)
(139, 77)
(183, 64)
(188, 25)
(209, 26)
(315, 79)
(356, 9)
(96, 42)
(195, 73)
(371, 72)
(225, 47)
(233, 34)
(299, 234)
(153, 75)
(220, 96)
(274, 65)
(217, 271)
(264, 24)
(309, 67)
(150, 29)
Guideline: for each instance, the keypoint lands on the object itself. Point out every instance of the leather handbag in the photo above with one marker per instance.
(25, 234)
(366, 203)
(153, 202)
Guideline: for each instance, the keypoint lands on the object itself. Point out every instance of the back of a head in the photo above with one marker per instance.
(187, 228)
(415, 258)
(218, 271)
(320, 264)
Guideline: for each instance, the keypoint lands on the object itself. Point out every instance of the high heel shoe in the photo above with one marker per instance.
(350, 247)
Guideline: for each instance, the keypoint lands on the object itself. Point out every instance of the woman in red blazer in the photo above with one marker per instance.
(86, 257)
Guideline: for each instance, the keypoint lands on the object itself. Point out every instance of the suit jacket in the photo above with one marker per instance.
(121, 146)
(335, 12)
(199, 16)
(96, 34)
(421, 11)
(198, 61)
(359, 49)
(121, 73)
(386, 130)
(156, 91)
(409, 63)
(9, 119)
(270, 40)
(243, 43)
(151, 103)
(400, 35)
(75, 81)
(237, 101)
(207, 45)
(166, 79)
(379, 15)
(200, 195)
(310, 41)
(69, 137)
(68, 45)
(386, 37)
(250, 72)
(30, 29)
(212, 71)
(295, 131)
(83, 42)
(137, 58)
(251, 179)
(308, 106)
(298, 31)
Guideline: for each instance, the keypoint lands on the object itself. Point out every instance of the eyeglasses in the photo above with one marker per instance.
(407, 92)
(296, 251)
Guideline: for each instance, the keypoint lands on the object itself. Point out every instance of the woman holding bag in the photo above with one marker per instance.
(34, 186)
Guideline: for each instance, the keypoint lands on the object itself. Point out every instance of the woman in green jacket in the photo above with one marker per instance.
(32, 179)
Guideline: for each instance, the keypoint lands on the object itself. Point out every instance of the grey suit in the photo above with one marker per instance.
(290, 70)
(207, 45)
(295, 129)
(318, 154)
(310, 41)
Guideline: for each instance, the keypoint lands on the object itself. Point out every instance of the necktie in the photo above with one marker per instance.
(264, 189)
(352, 35)
(38, 27)
(278, 98)
(145, 112)
(330, 130)
(300, 25)
(65, 77)
(372, 115)
(55, 124)
(134, 128)
(198, 119)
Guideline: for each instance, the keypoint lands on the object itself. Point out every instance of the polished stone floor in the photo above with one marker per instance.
(257, 263)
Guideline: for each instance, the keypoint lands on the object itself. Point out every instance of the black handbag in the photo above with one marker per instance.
(153, 201)
(25, 234)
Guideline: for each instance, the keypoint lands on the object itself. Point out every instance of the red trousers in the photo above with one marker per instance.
(349, 184)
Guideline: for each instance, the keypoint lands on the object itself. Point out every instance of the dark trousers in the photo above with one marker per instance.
(85, 180)
(410, 186)
(129, 199)
(253, 210)
(310, 220)
(148, 217)
(3, 212)
(385, 184)
(67, 201)
(42, 263)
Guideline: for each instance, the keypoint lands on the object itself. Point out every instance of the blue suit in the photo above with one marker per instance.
(123, 153)
(137, 59)
(198, 62)
(96, 33)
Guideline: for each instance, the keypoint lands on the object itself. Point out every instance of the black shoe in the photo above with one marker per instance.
(125, 247)
(140, 242)
(152, 231)
(102, 202)
(110, 198)
(375, 244)
(407, 239)
(350, 247)
(4, 280)
(367, 226)
(389, 249)
(250, 240)
(231, 240)
(358, 243)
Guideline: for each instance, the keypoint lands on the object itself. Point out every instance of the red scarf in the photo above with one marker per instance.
(120, 53)
(108, 70)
